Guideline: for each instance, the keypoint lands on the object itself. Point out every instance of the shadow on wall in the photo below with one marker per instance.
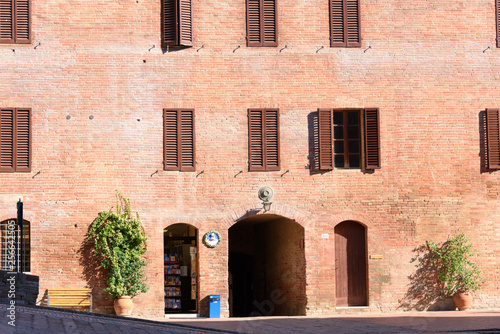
(425, 291)
(95, 277)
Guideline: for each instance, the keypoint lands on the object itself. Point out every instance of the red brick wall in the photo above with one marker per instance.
(427, 70)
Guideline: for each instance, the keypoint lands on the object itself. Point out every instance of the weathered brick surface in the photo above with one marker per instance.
(428, 70)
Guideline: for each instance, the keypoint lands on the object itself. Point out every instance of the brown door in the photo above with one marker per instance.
(350, 264)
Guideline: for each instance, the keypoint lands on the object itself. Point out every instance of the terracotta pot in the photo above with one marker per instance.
(463, 300)
(124, 306)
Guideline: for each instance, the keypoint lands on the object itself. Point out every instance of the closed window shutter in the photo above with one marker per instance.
(186, 134)
(272, 147)
(171, 140)
(325, 139)
(262, 26)
(185, 23)
(256, 140)
(23, 21)
(6, 21)
(254, 23)
(169, 22)
(7, 140)
(345, 23)
(270, 31)
(493, 138)
(372, 138)
(497, 14)
(23, 140)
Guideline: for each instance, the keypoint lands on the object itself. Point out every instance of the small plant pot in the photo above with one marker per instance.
(463, 300)
(124, 306)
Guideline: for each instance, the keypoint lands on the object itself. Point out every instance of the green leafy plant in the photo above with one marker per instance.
(456, 269)
(119, 243)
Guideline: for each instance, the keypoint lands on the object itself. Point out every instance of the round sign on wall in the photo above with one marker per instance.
(211, 238)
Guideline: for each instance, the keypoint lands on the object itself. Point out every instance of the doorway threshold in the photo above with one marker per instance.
(182, 316)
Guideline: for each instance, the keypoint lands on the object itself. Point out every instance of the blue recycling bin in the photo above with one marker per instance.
(214, 306)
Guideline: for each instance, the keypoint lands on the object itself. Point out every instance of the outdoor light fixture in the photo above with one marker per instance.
(265, 195)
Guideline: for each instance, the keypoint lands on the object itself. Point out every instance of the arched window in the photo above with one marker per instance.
(10, 248)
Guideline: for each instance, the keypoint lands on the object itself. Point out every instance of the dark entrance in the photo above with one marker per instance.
(350, 264)
(266, 267)
(181, 268)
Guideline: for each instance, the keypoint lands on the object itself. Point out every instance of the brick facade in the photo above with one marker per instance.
(425, 65)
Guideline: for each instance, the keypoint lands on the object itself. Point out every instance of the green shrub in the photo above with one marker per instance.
(119, 243)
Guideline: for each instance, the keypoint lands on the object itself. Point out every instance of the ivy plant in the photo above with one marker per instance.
(119, 243)
(456, 269)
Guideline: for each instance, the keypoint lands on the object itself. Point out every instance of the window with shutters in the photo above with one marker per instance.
(15, 140)
(9, 232)
(176, 22)
(348, 138)
(345, 28)
(178, 140)
(263, 140)
(262, 25)
(493, 138)
(497, 15)
(15, 21)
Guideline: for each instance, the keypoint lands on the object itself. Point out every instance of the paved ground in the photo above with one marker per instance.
(51, 321)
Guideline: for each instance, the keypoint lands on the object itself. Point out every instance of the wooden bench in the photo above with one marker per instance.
(66, 298)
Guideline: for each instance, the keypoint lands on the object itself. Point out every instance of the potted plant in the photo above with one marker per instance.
(119, 243)
(457, 272)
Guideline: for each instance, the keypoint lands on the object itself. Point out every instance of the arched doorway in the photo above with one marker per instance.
(266, 267)
(350, 264)
(181, 268)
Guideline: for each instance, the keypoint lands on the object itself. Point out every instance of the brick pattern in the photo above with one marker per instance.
(425, 65)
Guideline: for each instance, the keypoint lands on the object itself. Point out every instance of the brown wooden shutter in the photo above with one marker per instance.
(493, 138)
(254, 23)
(23, 140)
(7, 21)
(497, 14)
(270, 27)
(325, 139)
(169, 22)
(272, 147)
(345, 30)
(256, 140)
(186, 134)
(171, 140)
(185, 23)
(23, 21)
(7, 147)
(372, 139)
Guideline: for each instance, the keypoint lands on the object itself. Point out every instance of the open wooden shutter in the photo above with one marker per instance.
(169, 22)
(254, 23)
(7, 21)
(185, 23)
(271, 134)
(22, 128)
(325, 139)
(256, 140)
(171, 141)
(345, 23)
(7, 147)
(23, 21)
(270, 27)
(372, 139)
(493, 138)
(186, 134)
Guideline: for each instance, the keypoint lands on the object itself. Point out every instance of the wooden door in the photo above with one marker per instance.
(350, 264)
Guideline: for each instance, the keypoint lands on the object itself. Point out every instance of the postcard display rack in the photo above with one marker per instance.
(180, 273)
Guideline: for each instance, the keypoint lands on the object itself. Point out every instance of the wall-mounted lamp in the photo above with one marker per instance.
(266, 195)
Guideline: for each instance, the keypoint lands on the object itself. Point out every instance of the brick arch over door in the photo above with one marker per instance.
(351, 287)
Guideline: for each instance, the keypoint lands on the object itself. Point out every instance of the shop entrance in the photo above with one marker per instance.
(181, 268)
(350, 264)
(266, 267)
